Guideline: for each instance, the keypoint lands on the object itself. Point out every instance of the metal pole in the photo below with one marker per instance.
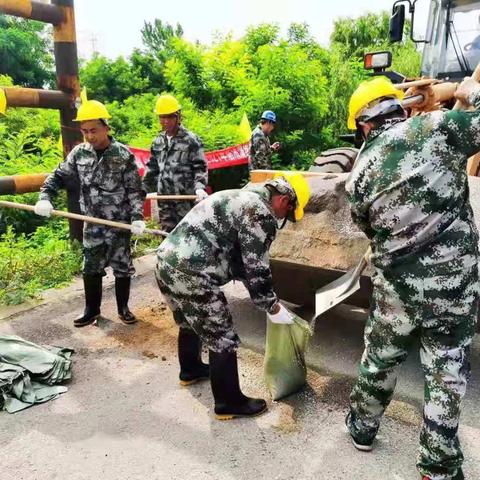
(17, 184)
(42, 12)
(37, 98)
(66, 62)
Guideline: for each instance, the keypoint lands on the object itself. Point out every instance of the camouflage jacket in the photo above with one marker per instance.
(179, 169)
(260, 150)
(110, 186)
(408, 188)
(227, 236)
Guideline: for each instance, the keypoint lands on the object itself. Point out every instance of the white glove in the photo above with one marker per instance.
(466, 89)
(283, 316)
(201, 194)
(138, 227)
(43, 208)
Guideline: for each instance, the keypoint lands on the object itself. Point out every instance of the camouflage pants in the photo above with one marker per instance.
(259, 164)
(441, 310)
(103, 247)
(170, 213)
(199, 305)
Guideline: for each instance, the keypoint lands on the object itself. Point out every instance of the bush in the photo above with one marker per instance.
(31, 264)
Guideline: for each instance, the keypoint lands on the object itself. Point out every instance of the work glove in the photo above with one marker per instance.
(43, 208)
(466, 90)
(282, 316)
(138, 227)
(201, 194)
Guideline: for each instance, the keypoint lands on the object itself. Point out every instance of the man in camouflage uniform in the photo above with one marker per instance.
(409, 193)
(177, 165)
(223, 238)
(260, 149)
(111, 189)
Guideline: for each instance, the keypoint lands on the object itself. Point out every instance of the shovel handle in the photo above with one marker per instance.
(83, 218)
(154, 196)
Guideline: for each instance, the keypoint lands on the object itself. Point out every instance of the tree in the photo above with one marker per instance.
(26, 52)
(263, 34)
(148, 67)
(157, 38)
(109, 80)
(353, 37)
(186, 72)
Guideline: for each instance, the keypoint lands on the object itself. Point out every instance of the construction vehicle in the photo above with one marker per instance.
(452, 36)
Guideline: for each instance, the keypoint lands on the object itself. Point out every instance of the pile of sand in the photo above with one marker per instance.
(326, 237)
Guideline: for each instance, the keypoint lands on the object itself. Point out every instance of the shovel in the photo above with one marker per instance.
(340, 289)
(154, 196)
(83, 218)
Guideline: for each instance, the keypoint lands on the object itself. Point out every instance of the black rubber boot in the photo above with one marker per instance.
(92, 285)
(230, 402)
(122, 294)
(192, 369)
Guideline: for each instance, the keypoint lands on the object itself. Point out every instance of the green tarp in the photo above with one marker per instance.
(285, 371)
(29, 373)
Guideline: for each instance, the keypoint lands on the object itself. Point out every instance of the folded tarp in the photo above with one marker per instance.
(29, 373)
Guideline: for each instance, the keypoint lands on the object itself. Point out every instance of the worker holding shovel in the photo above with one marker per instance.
(409, 193)
(110, 188)
(177, 165)
(225, 237)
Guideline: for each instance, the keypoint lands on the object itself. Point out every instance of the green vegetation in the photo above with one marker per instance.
(306, 84)
(30, 264)
(26, 52)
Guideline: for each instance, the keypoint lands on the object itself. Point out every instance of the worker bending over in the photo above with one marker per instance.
(225, 237)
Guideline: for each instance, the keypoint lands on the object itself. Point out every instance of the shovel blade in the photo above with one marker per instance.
(325, 299)
(340, 289)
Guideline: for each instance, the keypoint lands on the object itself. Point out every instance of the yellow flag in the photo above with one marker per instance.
(244, 128)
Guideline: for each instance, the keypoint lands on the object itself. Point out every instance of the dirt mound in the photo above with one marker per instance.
(326, 237)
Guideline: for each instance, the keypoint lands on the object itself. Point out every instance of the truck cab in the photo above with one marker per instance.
(452, 35)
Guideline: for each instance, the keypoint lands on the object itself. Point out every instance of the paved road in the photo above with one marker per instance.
(125, 416)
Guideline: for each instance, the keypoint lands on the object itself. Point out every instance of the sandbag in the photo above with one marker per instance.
(285, 370)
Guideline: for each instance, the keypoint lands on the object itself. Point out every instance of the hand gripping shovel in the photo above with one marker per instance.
(84, 218)
(340, 289)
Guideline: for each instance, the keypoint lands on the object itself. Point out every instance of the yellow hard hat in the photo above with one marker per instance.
(366, 93)
(166, 105)
(300, 186)
(3, 102)
(91, 109)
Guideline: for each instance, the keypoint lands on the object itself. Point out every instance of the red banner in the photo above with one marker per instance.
(227, 157)
(142, 157)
